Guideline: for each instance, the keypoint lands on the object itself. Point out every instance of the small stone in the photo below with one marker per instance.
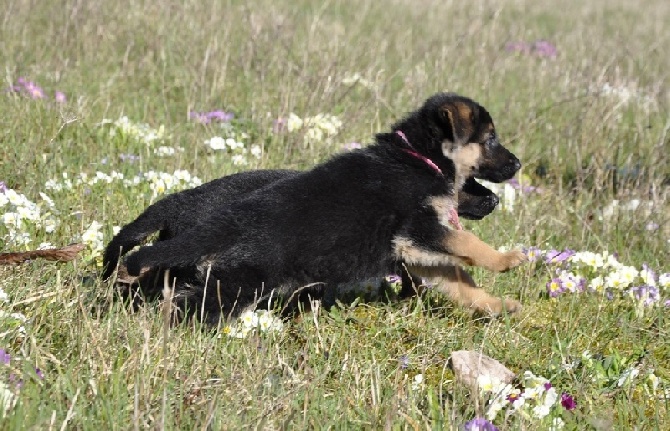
(469, 366)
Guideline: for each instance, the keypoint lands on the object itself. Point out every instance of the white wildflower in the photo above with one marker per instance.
(648, 277)
(557, 424)
(417, 383)
(216, 143)
(92, 237)
(627, 376)
(664, 280)
(597, 284)
(293, 123)
(7, 398)
(239, 160)
(256, 151)
(11, 219)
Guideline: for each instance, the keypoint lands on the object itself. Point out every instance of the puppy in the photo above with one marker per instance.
(354, 216)
(177, 212)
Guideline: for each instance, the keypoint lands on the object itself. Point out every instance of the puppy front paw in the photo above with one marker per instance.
(511, 259)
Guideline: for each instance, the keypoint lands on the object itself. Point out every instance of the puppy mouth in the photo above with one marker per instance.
(499, 174)
(483, 209)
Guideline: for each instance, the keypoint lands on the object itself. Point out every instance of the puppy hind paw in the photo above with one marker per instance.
(511, 306)
(133, 265)
(495, 307)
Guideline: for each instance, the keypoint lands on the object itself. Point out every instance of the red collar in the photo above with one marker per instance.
(413, 152)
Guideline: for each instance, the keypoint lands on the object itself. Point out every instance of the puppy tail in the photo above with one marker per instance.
(133, 234)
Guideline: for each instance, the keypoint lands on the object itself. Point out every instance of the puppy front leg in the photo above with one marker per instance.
(427, 240)
(475, 252)
(455, 247)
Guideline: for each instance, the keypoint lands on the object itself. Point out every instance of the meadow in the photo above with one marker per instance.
(107, 106)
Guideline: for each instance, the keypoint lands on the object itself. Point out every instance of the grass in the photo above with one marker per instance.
(107, 366)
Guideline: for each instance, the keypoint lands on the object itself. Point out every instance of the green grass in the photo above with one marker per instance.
(107, 366)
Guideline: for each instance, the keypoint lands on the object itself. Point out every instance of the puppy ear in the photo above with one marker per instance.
(460, 118)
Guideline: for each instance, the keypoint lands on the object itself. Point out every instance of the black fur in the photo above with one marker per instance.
(179, 212)
(334, 223)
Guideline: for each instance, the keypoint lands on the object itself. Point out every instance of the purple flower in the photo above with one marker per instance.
(513, 397)
(650, 273)
(393, 278)
(540, 48)
(208, 117)
(479, 424)
(581, 284)
(651, 226)
(514, 183)
(648, 294)
(555, 256)
(667, 303)
(16, 381)
(220, 116)
(199, 117)
(39, 373)
(555, 287)
(33, 90)
(3, 186)
(543, 48)
(609, 294)
(533, 253)
(60, 97)
(525, 189)
(567, 401)
(403, 361)
(4, 357)
(129, 157)
(547, 386)
(351, 146)
(522, 47)
(279, 125)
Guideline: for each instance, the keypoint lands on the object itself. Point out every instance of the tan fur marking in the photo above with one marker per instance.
(465, 158)
(404, 249)
(464, 111)
(442, 205)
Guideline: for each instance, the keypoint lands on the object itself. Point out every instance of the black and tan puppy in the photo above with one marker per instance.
(179, 211)
(355, 216)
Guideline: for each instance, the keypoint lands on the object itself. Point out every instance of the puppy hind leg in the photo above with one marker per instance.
(134, 233)
(182, 250)
(460, 287)
(411, 283)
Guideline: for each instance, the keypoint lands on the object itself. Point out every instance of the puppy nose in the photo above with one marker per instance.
(517, 163)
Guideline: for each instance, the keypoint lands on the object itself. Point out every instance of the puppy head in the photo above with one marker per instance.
(476, 201)
(469, 138)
